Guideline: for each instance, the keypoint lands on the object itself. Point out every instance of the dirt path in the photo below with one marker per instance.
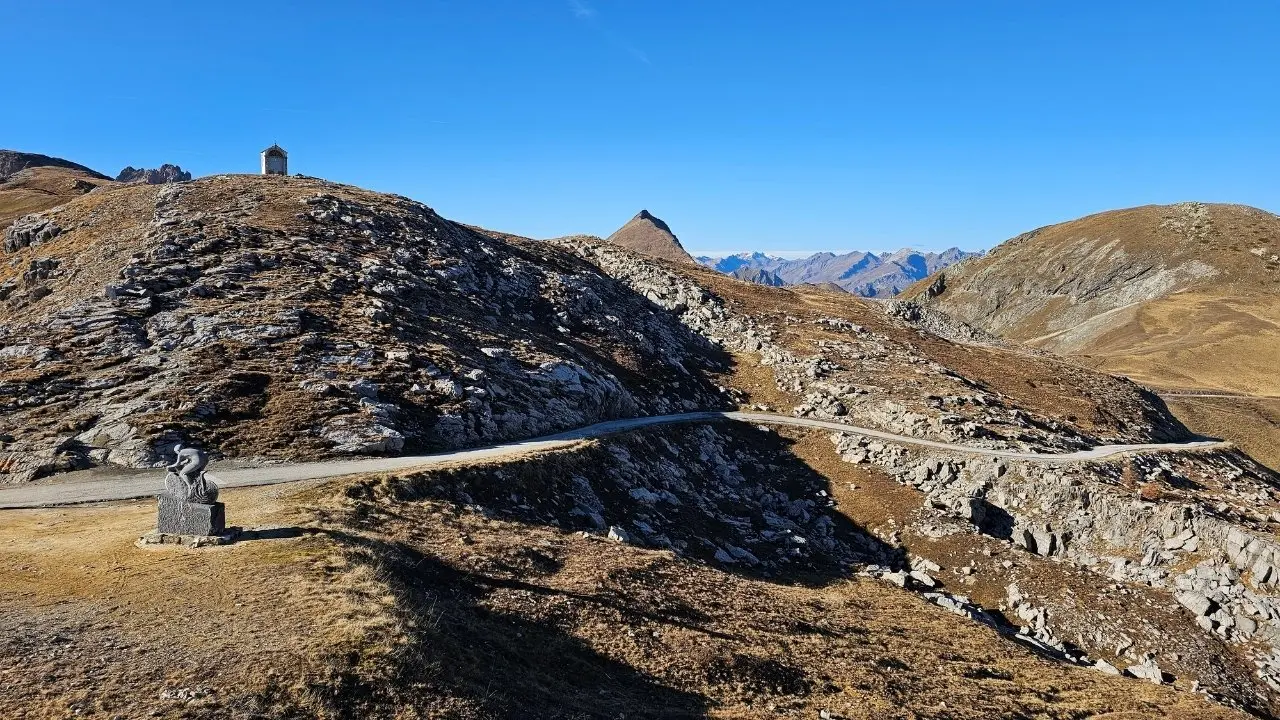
(143, 484)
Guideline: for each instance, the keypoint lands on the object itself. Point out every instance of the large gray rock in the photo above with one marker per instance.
(1147, 670)
(30, 230)
(1197, 603)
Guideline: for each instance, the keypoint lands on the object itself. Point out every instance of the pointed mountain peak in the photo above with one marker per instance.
(647, 233)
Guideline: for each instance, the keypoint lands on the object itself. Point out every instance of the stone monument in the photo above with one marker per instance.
(189, 504)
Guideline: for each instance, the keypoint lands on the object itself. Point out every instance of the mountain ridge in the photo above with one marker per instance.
(30, 182)
(15, 161)
(166, 173)
(858, 272)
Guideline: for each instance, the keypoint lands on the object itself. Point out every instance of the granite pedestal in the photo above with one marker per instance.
(179, 517)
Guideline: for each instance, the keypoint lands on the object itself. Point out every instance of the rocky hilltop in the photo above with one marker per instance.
(647, 234)
(295, 318)
(861, 273)
(158, 176)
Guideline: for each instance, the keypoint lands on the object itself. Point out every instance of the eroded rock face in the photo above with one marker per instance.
(314, 320)
(30, 230)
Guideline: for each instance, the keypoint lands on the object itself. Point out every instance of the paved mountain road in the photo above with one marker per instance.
(146, 483)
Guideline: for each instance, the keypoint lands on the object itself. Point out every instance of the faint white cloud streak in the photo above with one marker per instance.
(587, 14)
(581, 9)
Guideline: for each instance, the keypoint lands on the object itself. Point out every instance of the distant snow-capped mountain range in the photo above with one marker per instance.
(861, 273)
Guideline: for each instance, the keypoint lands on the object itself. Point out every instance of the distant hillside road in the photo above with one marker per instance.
(147, 483)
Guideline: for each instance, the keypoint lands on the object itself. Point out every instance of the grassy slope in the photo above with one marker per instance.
(41, 188)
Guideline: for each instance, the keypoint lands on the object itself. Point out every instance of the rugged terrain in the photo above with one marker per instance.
(379, 597)
(1179, 297)
(861, 273)
(710, 570)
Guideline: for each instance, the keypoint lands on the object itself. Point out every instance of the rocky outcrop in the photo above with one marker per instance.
(29, 230)
(730, 496)
(939, 323)
(164, 174)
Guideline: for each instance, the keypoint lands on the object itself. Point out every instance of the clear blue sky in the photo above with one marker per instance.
(780, 126)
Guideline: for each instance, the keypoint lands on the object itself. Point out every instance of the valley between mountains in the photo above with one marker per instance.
(909, 543)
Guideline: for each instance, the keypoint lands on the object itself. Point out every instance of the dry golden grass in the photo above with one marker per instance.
(1251, 423)
(41, 188)
(98, 627)
(1193, 340)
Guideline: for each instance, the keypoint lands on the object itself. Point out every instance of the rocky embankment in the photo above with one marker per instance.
(293, 318)
(1191, 535)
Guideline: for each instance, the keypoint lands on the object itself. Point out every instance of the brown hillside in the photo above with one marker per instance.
(1173, 295)
(39, 188)
(30, 182)
(13, 161)
(1180, 296)
(649, 235)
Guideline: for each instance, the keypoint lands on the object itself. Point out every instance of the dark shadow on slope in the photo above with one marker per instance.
(728, 494)
(996, 521)
(494, 664)
(1166, 427)
(581, 315)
